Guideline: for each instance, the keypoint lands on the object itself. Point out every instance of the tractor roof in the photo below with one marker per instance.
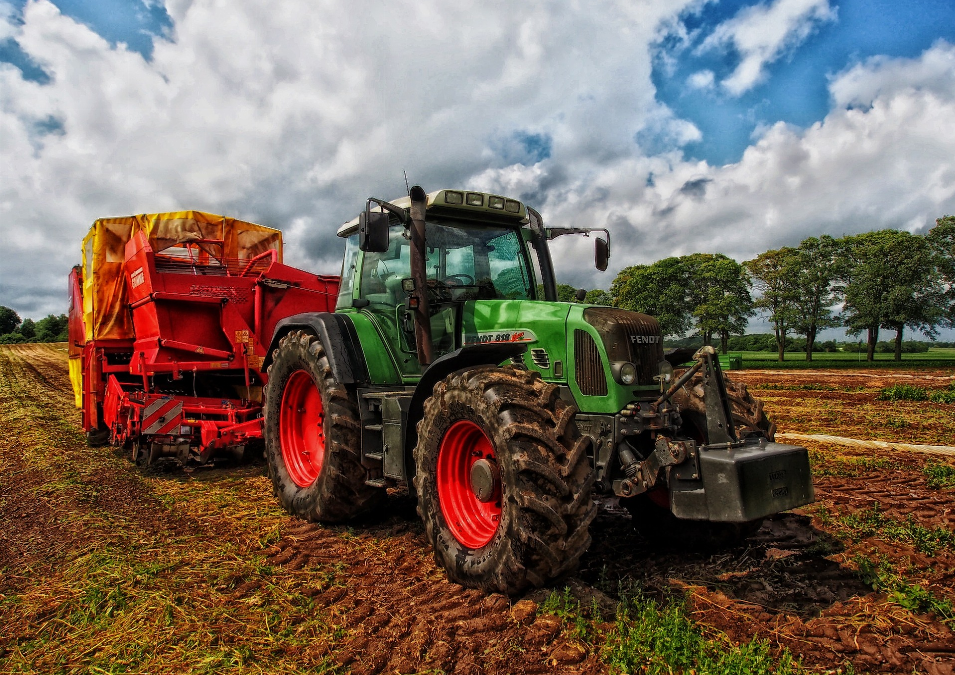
(460, 203)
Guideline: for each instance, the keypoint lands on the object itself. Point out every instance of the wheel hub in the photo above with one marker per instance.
(485, 480)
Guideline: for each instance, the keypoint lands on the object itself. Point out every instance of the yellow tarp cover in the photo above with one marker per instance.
(76, 378)
(104, 288)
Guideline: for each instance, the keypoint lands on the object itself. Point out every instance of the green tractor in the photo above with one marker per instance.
(449, 366)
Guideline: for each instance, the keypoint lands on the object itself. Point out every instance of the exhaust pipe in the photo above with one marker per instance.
(422, 314)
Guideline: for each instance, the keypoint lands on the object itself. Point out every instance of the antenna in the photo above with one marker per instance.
(407, 187)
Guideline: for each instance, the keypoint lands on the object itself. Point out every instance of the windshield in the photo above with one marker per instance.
(474, 262)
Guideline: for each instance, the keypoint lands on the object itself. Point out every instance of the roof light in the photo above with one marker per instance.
(475, 199)
(495, 202)
(512, 206)
(453, 197)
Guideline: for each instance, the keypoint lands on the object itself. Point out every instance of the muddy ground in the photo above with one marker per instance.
(107, 569)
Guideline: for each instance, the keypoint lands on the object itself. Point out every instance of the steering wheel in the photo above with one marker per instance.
(459, 280)
(381, 270)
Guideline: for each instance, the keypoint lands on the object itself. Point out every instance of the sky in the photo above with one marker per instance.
(681, 125)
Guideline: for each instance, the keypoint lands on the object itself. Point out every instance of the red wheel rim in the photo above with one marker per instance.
(302, 429)
(472, 522)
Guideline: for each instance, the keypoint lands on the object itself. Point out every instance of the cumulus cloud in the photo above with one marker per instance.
(863, 83)
(291, 113)
(702, 79)
(890, 164)
(762, 34)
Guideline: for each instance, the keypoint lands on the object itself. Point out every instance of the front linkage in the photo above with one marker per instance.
(717, 476)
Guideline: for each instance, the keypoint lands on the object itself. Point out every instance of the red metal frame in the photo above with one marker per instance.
(200, 320)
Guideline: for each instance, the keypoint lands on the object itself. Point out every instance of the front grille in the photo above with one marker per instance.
(629, 336)
(590, 371)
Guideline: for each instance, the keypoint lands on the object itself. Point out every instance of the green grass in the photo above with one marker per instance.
(883, 578)
(933, 358)
(905, 392)
(656, 639)
(824, 464)
(661, 639)
(940, 476)
(873, 522)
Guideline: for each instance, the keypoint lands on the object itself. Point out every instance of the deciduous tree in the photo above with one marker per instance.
(892, 280)
(816, 264)
(719, 294)
(658, 290)
(774, 277)
(9, 320)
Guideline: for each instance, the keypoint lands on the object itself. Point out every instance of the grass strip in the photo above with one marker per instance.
(661, 639)
(882, 577)
(657, 639)
(906, 392)
(824, 464)
(873, 522)
(771, 386)
(940, 476)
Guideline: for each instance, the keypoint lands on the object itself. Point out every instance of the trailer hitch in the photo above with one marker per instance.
(643, 476)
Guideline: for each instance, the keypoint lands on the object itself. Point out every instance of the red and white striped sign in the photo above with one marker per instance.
(162, 416)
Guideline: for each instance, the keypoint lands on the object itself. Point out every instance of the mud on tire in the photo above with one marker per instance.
(747, 411)
(312, 436)
(543, 499)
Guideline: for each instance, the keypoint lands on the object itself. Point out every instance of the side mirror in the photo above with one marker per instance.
(601, 254)
(373, 231)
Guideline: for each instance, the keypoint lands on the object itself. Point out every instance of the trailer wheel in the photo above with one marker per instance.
(503, 480)
(312, 436)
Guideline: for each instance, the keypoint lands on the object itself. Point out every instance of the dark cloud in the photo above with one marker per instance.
(696, 188)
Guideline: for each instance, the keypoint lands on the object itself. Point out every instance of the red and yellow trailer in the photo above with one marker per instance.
(171, 315)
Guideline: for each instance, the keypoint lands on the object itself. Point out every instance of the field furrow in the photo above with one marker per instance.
(106, 568)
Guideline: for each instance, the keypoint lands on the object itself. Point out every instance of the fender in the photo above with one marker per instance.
(338, 336)
(491, 354)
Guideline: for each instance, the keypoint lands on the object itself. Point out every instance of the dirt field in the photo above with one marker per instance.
(108, 570)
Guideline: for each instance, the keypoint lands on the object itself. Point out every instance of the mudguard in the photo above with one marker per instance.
(338, 336)
(467, 357)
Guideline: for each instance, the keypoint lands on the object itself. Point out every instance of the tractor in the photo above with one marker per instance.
(449, 366)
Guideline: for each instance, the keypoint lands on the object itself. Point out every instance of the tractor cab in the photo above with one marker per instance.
(477, 247)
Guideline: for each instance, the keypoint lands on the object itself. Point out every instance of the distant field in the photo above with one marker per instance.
(933, 358)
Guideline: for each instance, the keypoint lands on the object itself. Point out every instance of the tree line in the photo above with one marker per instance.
(883, 280)
(51, 328)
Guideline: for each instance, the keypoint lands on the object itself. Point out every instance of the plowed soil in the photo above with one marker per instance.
(106, 568)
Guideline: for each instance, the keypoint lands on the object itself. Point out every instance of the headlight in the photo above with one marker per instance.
(624, 372)
(665, 371)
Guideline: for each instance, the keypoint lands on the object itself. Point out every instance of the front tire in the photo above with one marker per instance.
(312, 438)
(503, 479)
(746, 410)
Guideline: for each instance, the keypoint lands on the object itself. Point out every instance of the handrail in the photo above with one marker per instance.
(271, 252)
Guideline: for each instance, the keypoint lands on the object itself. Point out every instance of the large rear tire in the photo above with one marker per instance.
(312, 436)
(503, 480)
